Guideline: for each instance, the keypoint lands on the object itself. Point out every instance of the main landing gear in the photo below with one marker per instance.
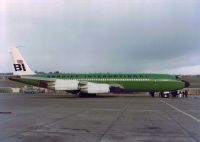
(152, 94)
(86, 95)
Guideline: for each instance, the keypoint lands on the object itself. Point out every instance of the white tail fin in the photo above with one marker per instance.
(20, 67)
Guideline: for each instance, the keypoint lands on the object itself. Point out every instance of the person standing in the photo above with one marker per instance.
(186, 93)
(180, 94)
(183, 93)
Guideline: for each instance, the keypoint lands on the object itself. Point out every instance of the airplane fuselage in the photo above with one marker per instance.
(135, 82)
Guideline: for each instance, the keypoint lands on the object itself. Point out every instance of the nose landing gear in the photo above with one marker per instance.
(152, 94)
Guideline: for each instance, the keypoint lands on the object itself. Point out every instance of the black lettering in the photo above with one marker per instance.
(19, 67)
(23, 67)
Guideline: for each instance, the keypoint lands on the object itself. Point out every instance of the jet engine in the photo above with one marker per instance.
(64, 85)
(93, 88)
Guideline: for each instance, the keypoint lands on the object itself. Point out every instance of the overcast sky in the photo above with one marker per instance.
(161, 36)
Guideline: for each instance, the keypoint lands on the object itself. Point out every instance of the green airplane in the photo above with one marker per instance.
(94, 83)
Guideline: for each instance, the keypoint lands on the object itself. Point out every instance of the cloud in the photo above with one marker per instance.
(189, 70)
(103, 36)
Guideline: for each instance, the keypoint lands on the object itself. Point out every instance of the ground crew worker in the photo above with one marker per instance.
(186, 93)
(183, 92)
(180, 94)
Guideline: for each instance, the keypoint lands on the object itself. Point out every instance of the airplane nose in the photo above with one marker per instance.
(187, 84)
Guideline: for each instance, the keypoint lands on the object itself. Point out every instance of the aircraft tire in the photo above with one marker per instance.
(152, 94)
(81, 95)
(174, 94)
(92, 95)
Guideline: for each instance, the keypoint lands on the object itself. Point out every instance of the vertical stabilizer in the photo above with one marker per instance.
(20, 67)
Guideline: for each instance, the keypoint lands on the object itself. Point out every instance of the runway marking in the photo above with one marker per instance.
(177, 109)
(115, 120)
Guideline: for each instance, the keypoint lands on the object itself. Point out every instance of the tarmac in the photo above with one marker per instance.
(8, 83)
(106, 118)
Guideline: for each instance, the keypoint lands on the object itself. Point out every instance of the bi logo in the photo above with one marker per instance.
(19, 66)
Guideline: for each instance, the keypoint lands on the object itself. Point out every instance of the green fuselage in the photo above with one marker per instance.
(135, 82)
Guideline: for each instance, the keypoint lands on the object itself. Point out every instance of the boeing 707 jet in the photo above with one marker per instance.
(94, 83)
